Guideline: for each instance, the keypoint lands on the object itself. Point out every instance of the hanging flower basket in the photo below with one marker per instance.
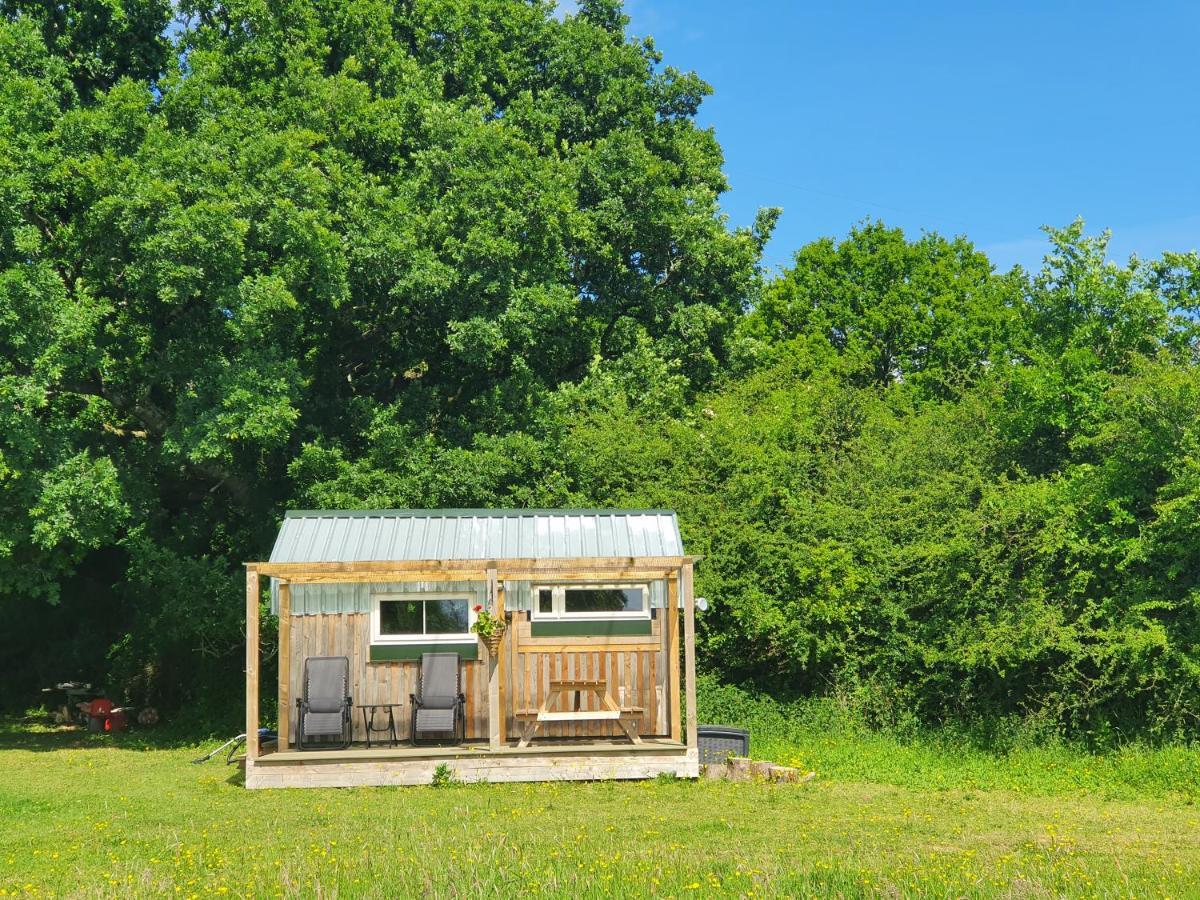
(493, 641)
(490, 629)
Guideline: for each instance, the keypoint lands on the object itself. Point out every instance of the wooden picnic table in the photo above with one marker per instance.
(609, 711)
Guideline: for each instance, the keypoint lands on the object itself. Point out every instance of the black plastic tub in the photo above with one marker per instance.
(719, 742)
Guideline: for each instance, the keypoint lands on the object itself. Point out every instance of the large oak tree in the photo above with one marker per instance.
(242, 253)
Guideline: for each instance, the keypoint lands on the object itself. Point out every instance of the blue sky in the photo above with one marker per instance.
(984, 119)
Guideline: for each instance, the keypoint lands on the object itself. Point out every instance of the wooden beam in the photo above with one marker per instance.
(588, 762)
(285, 665)
(412, 575)
(631, 645)
(689, 654)
(585, 574)
(252, 602)
(407, 575)
(671, 620)
(493, 670)
(518, 565)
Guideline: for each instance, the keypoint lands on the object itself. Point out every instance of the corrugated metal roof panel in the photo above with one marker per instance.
(409, 534)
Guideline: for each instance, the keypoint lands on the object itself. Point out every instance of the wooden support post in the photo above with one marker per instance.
(252, 602)
(671, 623)
(285, 665)
(512, 670)
(689, 653)
(493, 672)
(501, 669)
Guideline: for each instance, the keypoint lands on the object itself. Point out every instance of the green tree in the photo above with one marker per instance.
(1089, 320)
(928, 313)
(895, 543)
(343, 250)
(99, 41)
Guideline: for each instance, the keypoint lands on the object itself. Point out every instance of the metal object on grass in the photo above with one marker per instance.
(719, 742)
(265, 736)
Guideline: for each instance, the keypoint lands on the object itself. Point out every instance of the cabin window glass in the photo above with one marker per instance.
(421, 618)
(446, 616)
(401, 617)
(603, 600)
(593, 601)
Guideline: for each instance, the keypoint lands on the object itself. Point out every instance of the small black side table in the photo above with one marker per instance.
(388, 727)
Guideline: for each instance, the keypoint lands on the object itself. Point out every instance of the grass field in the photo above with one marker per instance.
(86, 815)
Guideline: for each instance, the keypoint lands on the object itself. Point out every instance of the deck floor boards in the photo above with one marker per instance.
(473, 749)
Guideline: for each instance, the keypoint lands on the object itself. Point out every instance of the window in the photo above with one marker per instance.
(591, 601)
(421, 618)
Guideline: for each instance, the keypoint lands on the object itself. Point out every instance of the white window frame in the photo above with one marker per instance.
(421, 596)
(560, 613)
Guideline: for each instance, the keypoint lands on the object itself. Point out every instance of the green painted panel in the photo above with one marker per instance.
(396, 652)
(589, 628)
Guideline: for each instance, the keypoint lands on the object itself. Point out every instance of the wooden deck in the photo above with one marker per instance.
(407, 765)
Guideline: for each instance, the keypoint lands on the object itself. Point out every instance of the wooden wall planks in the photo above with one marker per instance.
(348, 634)
(637, 677)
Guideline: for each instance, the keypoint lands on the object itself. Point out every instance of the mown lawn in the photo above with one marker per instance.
(88, 816)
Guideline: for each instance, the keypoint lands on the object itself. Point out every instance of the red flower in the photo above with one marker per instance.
(478, 607)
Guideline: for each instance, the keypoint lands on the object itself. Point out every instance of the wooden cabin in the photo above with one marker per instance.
(594, 677)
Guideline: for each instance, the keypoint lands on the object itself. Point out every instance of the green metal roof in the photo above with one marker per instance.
(412, 534)
(474, 513)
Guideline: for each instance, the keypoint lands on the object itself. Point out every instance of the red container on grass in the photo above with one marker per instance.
(100, 715)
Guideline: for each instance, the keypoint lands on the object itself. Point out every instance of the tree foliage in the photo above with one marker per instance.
(470, 253)
(927, 313)
(357, 234)
(99, 42)
(1023, 545)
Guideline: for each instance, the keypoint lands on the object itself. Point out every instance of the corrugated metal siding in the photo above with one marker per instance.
(658, 594)
(518, 595)
(319, 599)
(386, 535)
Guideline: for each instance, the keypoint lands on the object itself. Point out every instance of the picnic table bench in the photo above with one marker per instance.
(609, 711)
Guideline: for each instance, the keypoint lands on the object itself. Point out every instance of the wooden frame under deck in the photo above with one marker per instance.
(585, 758)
